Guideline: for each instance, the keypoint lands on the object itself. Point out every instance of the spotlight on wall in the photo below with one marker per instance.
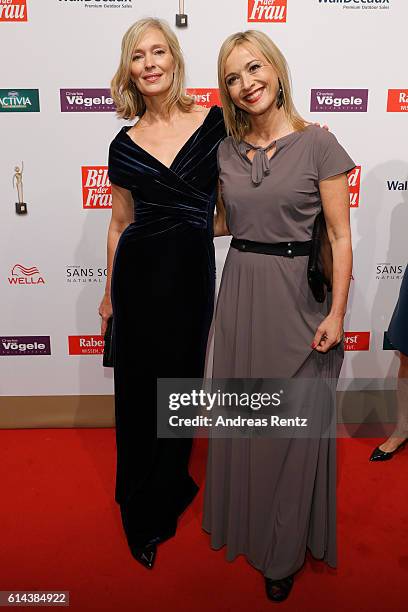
(181, 17)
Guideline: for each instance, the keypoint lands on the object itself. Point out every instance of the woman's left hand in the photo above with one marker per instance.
(328, 334)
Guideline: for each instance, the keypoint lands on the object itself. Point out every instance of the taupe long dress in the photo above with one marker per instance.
(270, 499)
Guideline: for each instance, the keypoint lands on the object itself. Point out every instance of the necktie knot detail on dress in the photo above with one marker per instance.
(260, 161)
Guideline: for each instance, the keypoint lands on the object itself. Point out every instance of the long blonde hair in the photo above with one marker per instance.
(236, 119)
(128, 99)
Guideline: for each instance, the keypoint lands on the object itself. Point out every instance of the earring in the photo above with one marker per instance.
(280, 98)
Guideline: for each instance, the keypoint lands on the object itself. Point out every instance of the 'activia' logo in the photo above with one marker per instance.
(356, 341)
(205, 96)
(19, 101)
(13, 10)
(85, 345)
(96, 187)
(397, 101)
(269, 11)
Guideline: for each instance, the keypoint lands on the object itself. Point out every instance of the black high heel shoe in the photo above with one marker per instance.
(278, 590)
(146, 555)
(379, 455)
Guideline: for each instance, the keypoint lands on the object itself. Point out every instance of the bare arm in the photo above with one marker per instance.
(220, 217)
(334, 192)
(122, 215)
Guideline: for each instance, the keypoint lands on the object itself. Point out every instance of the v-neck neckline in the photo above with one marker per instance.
(126, 128)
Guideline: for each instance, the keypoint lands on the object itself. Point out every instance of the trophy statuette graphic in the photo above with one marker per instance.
(181, 17)
(21, 206)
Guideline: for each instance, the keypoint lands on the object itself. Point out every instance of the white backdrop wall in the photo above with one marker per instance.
(74, 45)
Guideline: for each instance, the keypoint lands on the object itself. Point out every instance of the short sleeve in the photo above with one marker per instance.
(331, 157)
(118, 171)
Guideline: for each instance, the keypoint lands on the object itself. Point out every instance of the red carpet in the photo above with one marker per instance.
(61, 530)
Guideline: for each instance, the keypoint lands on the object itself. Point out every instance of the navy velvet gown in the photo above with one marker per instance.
(163, 284)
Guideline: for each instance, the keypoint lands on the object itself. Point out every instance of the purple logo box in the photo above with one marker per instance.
(25, 345)
(339, 100)
(86, 101)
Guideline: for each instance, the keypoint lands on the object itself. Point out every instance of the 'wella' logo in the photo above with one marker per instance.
(13, 10)
(397, 101)
(15, 346)
(205, 96)
(86, 101)
(270, 11)
(96, 187)
(354, 186)
(356, 341)
(339, 100)
(20, 275)
(85, 345)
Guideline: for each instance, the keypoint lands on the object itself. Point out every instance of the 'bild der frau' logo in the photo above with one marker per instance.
(19, 101)
(96, 187)
(339, 100)
(13, 10)
(86, 101)
(24, 345)
(269, 11)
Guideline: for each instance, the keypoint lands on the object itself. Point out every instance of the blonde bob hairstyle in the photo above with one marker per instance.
(128, 99)
(236, 119)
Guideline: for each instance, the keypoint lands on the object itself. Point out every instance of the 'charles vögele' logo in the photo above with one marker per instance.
(19, 101)
(16, 346)
(269, 11)
(339, 100)
(76, 100)
(20, 275)
(96, 187)
(13, 10)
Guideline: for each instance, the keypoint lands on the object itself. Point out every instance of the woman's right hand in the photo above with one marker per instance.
(105, 311)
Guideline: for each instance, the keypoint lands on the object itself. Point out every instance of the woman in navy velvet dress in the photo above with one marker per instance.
(161, 272)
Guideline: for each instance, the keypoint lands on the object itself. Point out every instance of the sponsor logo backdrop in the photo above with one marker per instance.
(57, 116)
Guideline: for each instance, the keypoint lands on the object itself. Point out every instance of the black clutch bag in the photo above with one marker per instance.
(320, 265)
(108, 354)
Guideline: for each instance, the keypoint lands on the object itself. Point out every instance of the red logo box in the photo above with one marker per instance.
(13, 10)
(85, 345)
(205, 96)
(397, 101)
(356, 341)
(96, 187)
(267, 11)
(354, 186)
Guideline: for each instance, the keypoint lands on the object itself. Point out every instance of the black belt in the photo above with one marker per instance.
(283, 249)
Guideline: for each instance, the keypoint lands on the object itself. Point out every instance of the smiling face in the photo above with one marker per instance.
(251, 81)
(153, 64)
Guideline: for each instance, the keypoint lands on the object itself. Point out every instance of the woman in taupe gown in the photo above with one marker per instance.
(270, 499)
